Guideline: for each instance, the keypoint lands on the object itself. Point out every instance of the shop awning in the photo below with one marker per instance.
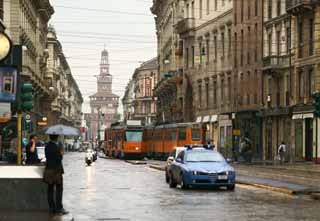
(302, 116)
(214, 118)
(206, 119)
(198, 119)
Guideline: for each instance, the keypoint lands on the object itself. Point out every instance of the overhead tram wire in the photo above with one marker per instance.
(144, 14)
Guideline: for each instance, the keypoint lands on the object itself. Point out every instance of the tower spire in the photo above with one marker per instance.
(104, 65)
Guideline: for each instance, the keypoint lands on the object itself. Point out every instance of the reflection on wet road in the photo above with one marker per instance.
(115, 190)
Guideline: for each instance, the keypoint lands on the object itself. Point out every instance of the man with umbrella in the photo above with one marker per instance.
(53, 174)
(54, 168)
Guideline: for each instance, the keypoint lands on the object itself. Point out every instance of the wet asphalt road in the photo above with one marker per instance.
(115, 190)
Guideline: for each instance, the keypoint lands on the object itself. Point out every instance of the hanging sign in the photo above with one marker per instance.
(5, 112)
(8, 84)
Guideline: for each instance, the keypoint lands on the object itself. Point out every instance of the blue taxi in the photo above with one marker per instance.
(201, 166)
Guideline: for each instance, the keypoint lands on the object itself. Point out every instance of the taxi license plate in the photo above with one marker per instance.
(222, 177)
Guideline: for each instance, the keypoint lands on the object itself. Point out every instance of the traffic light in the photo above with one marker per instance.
(316, 103)
(26, 97)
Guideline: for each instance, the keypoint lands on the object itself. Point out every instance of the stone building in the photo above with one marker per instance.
(27, 24)
(144, 104)
(64, 105)
(169, 90)
(306, 78)
(277, 78)
(127, 101)
(206, 30)
(248, 86)
(104, 104)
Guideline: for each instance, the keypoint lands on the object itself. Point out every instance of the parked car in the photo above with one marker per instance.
(202, 167)
(172, 156)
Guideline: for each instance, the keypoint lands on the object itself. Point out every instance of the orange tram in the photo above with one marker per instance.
(128, 142)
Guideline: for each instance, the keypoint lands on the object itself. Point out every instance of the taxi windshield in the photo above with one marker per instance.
(204, 156)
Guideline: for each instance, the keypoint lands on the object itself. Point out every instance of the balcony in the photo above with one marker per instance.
(296, 7)
(276, 62)
(186, 25)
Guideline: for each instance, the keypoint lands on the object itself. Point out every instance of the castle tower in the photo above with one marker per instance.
(104, 104)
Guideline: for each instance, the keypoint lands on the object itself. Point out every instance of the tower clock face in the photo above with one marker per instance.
(5, 46)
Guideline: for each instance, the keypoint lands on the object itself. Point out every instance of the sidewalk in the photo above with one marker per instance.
(290, 179)
(6, 215)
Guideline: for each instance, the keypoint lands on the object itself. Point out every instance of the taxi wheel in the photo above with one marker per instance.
(172, 182)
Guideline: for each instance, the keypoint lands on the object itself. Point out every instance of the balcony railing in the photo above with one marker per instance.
(185, 25)
(276, 61)
(297, 6)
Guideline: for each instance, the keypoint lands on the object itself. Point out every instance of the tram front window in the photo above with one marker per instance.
(134, 136)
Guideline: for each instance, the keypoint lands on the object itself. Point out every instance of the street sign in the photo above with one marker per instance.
(27, 117)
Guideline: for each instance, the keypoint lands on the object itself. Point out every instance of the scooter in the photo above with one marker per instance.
(89, 158)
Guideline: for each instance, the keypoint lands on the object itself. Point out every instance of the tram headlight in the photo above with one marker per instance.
(137, 148)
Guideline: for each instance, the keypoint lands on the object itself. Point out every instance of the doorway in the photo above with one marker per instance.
(309, 139)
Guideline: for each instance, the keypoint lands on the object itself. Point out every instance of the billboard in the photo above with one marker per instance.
(8, 84)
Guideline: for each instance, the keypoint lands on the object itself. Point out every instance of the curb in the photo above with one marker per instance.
(157, 167)
(135, 162)
(268, 187)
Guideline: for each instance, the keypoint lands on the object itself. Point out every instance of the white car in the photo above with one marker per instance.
(172, 156)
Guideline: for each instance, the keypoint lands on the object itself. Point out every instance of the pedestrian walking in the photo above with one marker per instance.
(53, 174)
(282, 152)
(31, 151)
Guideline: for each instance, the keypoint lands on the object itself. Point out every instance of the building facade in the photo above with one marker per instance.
(306, 78)
(65, 101)
(27, 24)
(248, 99)
(144, 104)
(104, 104)
(205, 31)
(127, 101)
(276, 77)
(169, 89)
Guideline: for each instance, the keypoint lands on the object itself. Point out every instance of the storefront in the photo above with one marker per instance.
(225, 136)
(306, 134)
(249, 125)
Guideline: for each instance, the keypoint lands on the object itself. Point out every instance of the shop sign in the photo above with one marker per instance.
(8, 84)
(5, 112)
(236, 132)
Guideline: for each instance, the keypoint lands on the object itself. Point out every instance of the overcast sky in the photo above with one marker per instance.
(125, 27)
